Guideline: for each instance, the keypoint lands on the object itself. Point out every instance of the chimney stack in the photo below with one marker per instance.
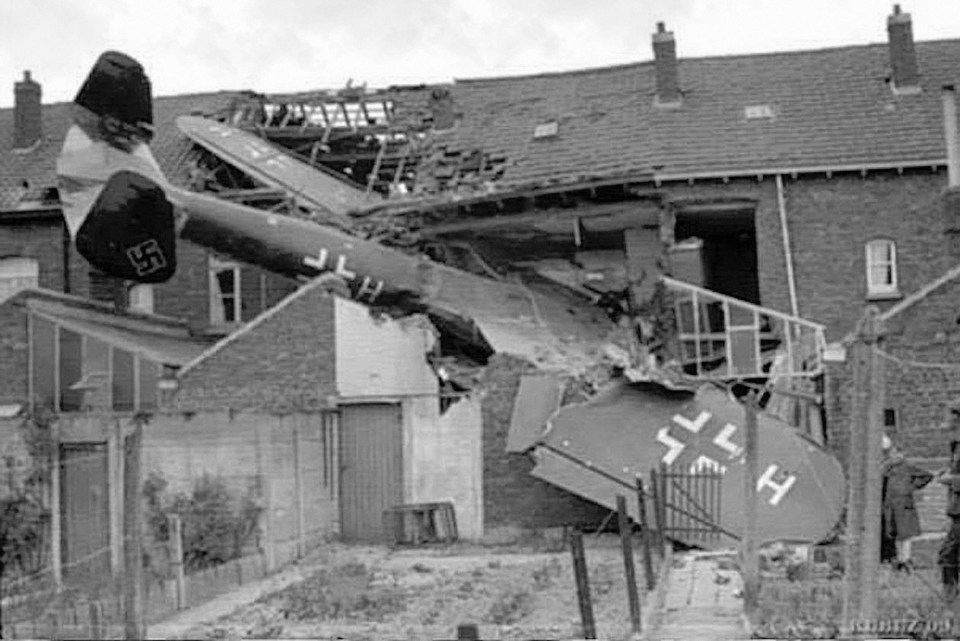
(27, 119)
(903, 56)
(665, 65)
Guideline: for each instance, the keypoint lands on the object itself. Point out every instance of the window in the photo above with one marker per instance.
(882, 268)
(224, 292)
(17, 274)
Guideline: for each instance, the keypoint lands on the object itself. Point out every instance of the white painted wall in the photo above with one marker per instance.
(377, 358)
(443, 455)
(445, 461)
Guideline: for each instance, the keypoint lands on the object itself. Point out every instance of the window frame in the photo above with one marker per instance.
(217, 299)
(887, 289)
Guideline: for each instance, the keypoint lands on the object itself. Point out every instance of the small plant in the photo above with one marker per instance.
(24, 515)
(511, 607)
(216, 524)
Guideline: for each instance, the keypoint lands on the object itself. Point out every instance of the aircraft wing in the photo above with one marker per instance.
(598, 449)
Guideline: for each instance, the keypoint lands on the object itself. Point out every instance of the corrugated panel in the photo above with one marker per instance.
(537, 398)
(371, 462)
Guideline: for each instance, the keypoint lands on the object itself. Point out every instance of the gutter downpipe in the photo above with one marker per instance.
(950, 135)
(788, 257)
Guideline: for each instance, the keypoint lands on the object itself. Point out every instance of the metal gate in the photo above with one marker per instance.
(84, 513)
(371, 468)
(689, 505)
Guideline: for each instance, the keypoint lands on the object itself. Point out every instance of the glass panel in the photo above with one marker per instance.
(148, 384)
(71, 366)
(123, 381)
(43, 353)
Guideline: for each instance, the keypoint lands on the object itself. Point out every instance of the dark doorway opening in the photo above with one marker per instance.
(729, 252)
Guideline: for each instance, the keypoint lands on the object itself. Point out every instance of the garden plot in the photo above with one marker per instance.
(516, 592)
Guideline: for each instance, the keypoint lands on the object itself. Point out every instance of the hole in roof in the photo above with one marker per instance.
(25, 184)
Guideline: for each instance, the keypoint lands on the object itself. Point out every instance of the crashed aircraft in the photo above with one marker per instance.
(664, 406)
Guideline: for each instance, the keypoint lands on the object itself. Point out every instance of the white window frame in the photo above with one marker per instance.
(218, 315)
(889, 287)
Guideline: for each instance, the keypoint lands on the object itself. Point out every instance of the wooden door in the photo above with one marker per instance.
(371, 468)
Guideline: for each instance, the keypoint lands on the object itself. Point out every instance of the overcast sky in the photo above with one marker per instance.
(298, 45)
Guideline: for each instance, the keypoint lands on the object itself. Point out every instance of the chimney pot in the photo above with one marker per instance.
(27, 117)
(665, 65)
(903, 55)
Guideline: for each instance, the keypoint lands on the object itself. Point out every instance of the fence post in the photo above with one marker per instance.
(751, 566)
(658, 510)
(583, 585)
(96, 620)
(176, 552)
(298, 486)
(623, 525)
(266, 490)
(56, 526)
(645, 536)
(133, 562)
(864, 360)
(873, 475)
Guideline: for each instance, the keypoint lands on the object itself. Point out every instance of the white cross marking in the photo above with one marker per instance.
(723, 441)
(674, 447)
(693, 426)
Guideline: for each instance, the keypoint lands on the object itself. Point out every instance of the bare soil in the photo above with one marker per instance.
(521, 591)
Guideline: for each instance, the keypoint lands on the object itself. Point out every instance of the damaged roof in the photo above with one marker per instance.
(825, 109)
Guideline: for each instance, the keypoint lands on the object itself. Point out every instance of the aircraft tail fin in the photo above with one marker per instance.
(111, 187)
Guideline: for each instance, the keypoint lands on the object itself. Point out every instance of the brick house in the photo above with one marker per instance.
(293, 410)
(814, 180)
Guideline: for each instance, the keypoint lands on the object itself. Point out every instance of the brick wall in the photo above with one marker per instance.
(14, 355)
(282, 364)
(830, 220)
(924, 333)
(187, 294)
(511, 496)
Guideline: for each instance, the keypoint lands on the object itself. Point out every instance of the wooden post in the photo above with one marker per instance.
(56, 525)
(645, 536)
(859, 450)
(269, 557)
(873, 473)
(623, 525)
(176, 553)
(751, 566)
(583, 585)
(298, 487)
(657, 511)
(96, 620)
(133, 562)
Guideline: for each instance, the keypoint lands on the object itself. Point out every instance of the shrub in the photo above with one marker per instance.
(216, 524)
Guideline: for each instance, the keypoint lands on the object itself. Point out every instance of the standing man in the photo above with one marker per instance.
(949, 556)
(900, 521)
